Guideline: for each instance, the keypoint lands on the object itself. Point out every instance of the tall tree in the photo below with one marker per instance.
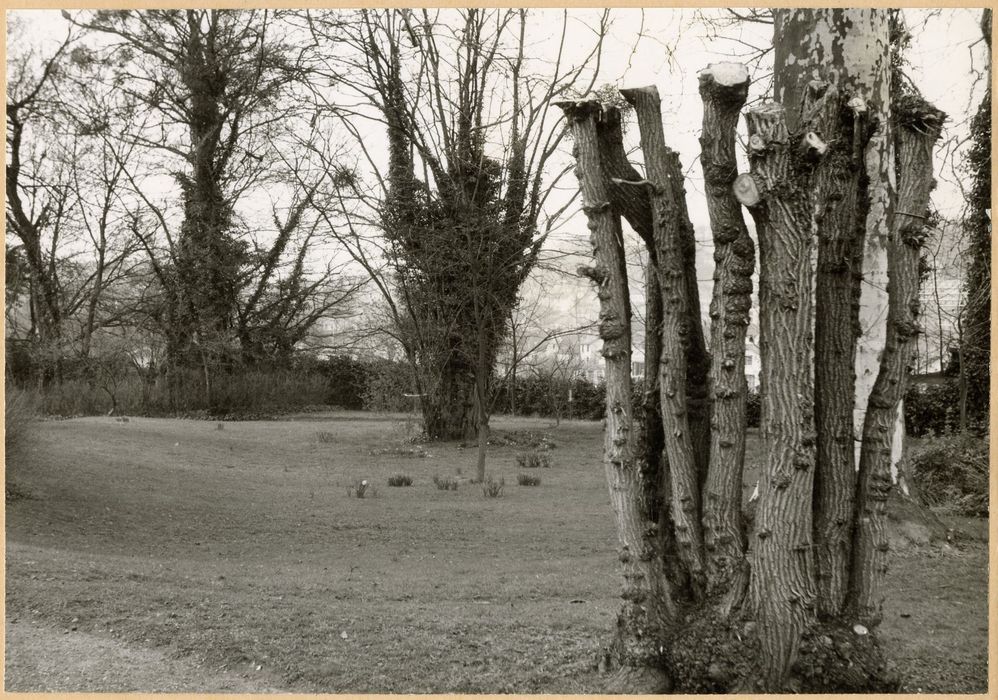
(708, 607)
(466, 174)
(218, 104)
(975, 351)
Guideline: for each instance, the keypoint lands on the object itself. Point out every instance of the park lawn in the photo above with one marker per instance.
(242, 550)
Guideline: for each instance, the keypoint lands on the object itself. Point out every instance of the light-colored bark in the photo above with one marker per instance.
(849, 47)
(832, 75)
(648, 608)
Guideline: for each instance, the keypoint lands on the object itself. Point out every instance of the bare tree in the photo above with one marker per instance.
(692, 579)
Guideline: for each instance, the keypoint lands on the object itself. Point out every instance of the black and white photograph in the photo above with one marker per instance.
(497, 350)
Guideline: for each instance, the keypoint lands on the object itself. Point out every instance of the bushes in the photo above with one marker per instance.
(492, 488)
(753, 409)
(400, 480)
(532, 460)
(951, 472)
(445, 483)
(932, 409)
(547, 397)
(385, 387)
(19, 413)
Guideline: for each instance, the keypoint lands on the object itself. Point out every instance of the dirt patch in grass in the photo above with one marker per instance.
(224, 550)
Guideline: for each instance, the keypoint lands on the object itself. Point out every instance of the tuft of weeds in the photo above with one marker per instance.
(362, 489)
(528, 480)
(491, 488)
(533, 460)
(325, 436)
(445, 483)
(400, 480)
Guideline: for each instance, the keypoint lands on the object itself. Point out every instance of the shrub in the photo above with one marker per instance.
(492, 488)
(385, 387)
(325, 436)
(951, 472)
(753, 409)
(362, 489)
(932, 408)
(523, 438)
(532, 460)
(528, 480)
(400, 480)
(445, 483)
(19, 414)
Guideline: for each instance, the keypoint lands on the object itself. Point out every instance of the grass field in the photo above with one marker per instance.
(238, 555)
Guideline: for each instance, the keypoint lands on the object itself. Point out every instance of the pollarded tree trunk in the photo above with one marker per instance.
(917, 127)
(782, 586)
(846, 52)
(631, 198)
(724, 88)
(668, 208)
(648, 609)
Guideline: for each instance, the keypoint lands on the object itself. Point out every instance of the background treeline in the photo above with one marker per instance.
(310, 383)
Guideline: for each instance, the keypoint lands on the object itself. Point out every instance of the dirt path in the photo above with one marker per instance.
(42, 659)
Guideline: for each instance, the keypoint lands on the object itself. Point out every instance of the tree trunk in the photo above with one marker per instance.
(917, 127)
(632, 199)
(782, 579)
(662, 166)
(648, 609)
(844, 53)
(724, 88)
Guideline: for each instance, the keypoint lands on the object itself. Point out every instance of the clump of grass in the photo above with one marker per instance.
(400, 480)
(528, 480)
(414, 452)
(532, 460)
(362, 489)
(445, 483)
(491, 488)
(325, 436)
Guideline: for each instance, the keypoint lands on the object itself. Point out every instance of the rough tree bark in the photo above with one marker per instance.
(848, 51)
(632, 200)
(840, 213)
(724, 88)
(782, 581)
(917, 126)
(803, 185)
(648, 608)
(668, 207)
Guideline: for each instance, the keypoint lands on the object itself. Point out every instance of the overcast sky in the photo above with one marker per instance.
(667, 47)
